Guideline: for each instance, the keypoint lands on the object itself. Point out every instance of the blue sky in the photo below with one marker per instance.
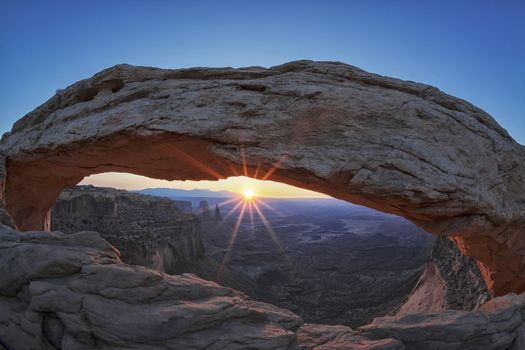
(471, 49)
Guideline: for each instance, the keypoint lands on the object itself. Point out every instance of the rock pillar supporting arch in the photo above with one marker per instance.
(396, 146)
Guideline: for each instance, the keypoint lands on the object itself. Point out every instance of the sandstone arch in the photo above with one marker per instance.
(397, 146)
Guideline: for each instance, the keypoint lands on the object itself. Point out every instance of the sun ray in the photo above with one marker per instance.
(229, 201)
(252, 222)
(275, 239)
(243, 158)
(230, 212)
(233, 237)
(233, 170)
(196, 163)
(274, 167)
(257, 169)
(268, 206)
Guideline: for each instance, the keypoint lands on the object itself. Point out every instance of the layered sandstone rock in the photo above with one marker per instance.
(498, 324)
(450, 281)
(149, 231)
(397, 146)
(60, 291)
(73, 292)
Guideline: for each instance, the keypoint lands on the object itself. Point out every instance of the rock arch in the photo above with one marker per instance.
(396, 146)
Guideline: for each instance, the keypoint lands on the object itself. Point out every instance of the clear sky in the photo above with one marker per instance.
(471, 49)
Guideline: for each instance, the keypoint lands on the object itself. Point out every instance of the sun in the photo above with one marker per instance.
(248, 194)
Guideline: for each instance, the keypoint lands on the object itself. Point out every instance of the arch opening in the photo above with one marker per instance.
(327, 260)
(395, 146)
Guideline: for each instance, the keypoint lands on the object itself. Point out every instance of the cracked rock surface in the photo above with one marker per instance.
(397, 146)
(60, 291)
(450, 280)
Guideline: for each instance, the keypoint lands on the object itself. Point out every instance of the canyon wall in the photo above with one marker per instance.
(150, 231)
(450, 280)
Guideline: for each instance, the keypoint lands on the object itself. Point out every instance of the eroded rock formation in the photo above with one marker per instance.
(450, 281)
(149, 231)
(73, 292)
(5, 218)
(397, 146)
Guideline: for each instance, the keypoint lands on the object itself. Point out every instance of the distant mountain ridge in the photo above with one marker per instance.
(176, 192)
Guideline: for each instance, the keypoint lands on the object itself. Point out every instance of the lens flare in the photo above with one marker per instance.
(249, 201)
(233, 237)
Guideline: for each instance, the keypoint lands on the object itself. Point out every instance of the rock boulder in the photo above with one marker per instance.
(73, 292)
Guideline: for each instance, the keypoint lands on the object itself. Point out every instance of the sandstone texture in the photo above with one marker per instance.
(450, 281)
(397, 146)
(72, 291)
(487, 328)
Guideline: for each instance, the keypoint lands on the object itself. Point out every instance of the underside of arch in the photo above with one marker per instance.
(396, 146)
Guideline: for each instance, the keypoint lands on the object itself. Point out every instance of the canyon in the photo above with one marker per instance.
(148, 231)
(396, 146)
(338, 263)
(154, 232)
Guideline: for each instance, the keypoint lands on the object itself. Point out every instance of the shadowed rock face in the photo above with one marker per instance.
(396, 146)
(72, 291)
(464, 286)
(148, 231)
(450, 281)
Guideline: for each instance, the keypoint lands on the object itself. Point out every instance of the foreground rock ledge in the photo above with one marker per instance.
(73, 292)
(396, 146)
